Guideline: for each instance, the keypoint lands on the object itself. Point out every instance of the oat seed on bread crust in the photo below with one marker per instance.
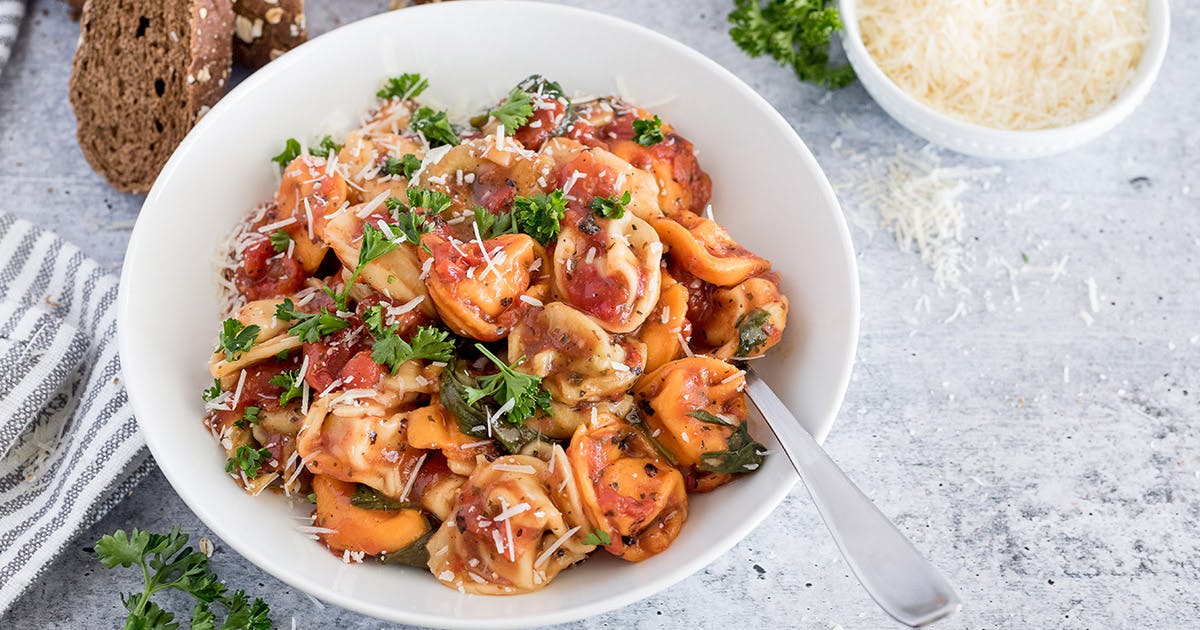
(144, 73)
(265, 29)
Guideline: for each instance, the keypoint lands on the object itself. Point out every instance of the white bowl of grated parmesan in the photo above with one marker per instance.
(1007, 79)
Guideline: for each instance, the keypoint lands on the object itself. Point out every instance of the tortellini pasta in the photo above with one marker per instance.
(705, 250)
(630, 493)
(745, 320)
(308, 192)
(367, 157)
(481, 290)
(692, 407)
(396, 274)
(577, 359)
(515, 526)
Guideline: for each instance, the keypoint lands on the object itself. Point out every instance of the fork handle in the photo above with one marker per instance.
(894, 573)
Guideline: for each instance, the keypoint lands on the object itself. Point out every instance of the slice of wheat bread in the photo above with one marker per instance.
(145, 71)
(265, 29)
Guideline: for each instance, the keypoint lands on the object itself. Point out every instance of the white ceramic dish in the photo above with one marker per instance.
(769, 191)
(987, 142)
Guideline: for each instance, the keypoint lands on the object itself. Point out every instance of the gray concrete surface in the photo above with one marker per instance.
(1051, 467)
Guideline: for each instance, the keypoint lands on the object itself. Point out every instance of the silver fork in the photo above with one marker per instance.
(898, 578)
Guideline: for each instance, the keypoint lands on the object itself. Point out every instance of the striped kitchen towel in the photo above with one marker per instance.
(11, 12)
(69, 446)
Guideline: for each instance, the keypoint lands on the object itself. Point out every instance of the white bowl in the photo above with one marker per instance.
(769, 191)
(988, 142)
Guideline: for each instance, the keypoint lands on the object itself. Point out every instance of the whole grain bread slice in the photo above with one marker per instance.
(265, 29)
(145, 71)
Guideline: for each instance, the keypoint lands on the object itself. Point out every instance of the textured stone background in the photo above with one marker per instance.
(1051, 467)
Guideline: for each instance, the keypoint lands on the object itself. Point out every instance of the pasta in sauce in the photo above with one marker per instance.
(490, 349)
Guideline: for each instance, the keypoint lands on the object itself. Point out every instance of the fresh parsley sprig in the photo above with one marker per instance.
(289, 381)
(611, 207)
(237, 338)
(167, 562)
(407, 85)
(648, 131)
(795, 32)
(435, 126)
(525, 390)
(309, 327)
(540, 216)
(515, 111)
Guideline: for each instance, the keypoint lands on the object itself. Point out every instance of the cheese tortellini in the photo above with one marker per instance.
(488, 348)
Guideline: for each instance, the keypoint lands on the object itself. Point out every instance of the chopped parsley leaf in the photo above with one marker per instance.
(428, 343)
(247, 459)
(309, 327)
(329, 146)
(249, 417)
(407, 85)
(540, 216)
(291, 385)
(406, 165)
(611, 207)
(280, 240)
(493, 225)
(291, 151)
(597, 537)
(435, 126)
(237, 338)
(211, 393)
(648, 132)
(515, 111)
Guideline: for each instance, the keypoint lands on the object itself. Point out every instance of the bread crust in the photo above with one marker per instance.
(265, 29)
(144, 73)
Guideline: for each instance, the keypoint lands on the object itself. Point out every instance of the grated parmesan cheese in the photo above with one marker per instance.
(1008, 64)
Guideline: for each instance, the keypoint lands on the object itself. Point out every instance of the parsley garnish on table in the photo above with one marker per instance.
(167, 563)
(523, 390)
(795, 32)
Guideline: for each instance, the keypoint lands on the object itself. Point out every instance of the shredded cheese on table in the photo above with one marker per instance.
(1008, 64)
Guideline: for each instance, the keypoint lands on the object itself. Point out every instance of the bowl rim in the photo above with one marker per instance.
(1159, 20)
(314, 586)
